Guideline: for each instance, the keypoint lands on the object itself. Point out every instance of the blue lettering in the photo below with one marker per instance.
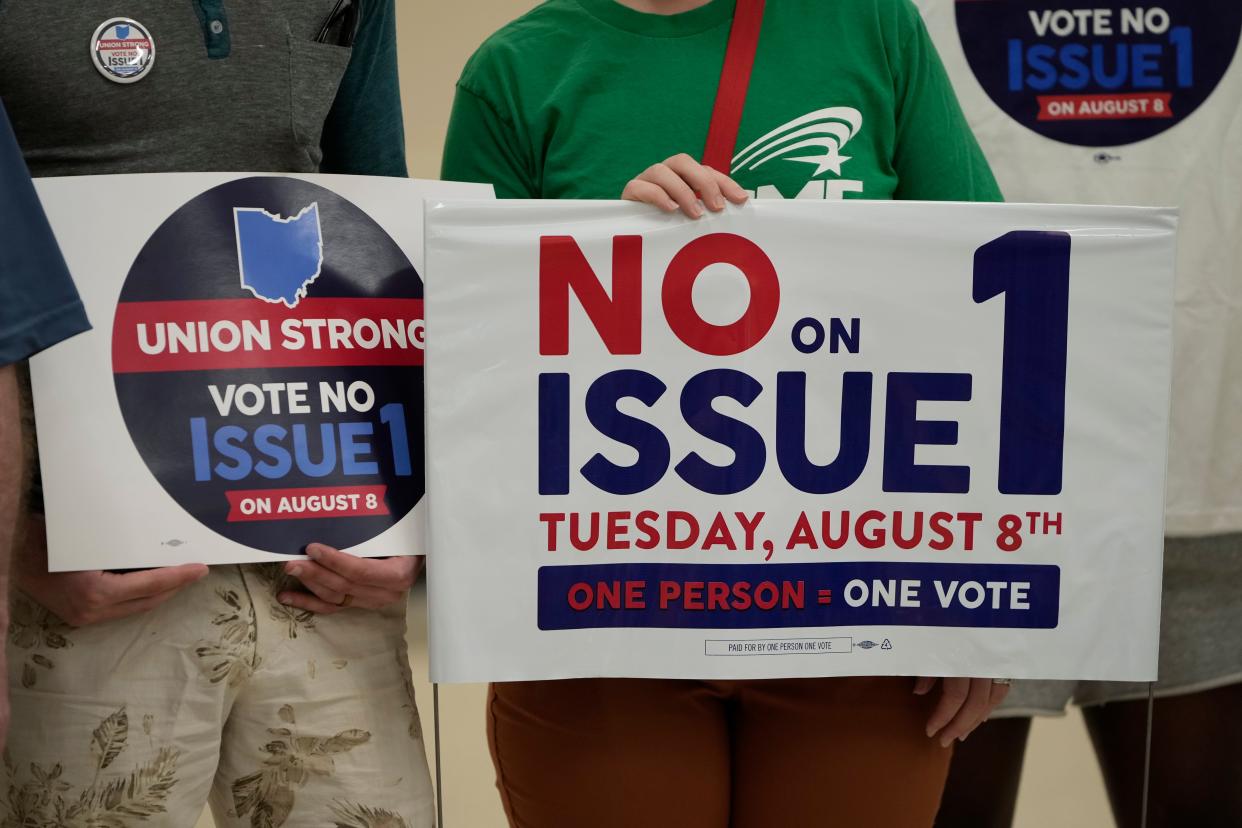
(1146, 60)
(270, 457)
(650, 443)
(746, 443)
(553, 434)
(903, 432)
(225, 441)
(1120, 69)
(1074, 59)
(1039, 58)
(855, 431)
(198, 442)
(1183, 44)
(266, 440)
(1106, 65)
(1031, 269)
(325, 466)
(1015, 65)
(350, 449)
(393, 416)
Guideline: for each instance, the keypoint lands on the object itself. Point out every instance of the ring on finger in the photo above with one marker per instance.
(1002, 682)
(346, 601)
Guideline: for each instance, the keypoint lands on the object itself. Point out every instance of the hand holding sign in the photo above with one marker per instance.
(337, 580)
(82, 598)
(965, 704)
(682, 182)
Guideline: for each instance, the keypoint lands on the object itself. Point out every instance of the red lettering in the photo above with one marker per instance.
(943, 533)
(618, 530)
(766, 595)
(749, 525)
(609, 595)
(646, 525)
(584, 601)
(617, 319)
(876, 539)
(970, 519)
(719, 535)
(694, 595)
(575, 536)
(677, 294)
(793, 594)
(741, 596)
(916, 536)
(802, 534)
(692, 530)
(552, 519)
(835, 541)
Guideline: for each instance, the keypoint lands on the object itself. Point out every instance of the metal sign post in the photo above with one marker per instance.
(435, 714)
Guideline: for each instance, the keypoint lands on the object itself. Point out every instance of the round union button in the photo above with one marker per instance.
(122, 50)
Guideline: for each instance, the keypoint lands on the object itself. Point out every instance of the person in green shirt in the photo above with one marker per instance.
(847, 99)
(575, 98)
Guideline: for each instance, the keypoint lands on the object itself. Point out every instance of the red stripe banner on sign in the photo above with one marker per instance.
(1105, 107)
(293, 504)
(228, 334)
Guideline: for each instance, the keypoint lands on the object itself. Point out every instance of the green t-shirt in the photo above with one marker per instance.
(848, 98)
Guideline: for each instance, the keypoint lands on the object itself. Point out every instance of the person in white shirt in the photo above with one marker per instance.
(1105, 102)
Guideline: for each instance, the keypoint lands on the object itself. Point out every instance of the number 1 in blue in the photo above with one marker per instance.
(1031, 268)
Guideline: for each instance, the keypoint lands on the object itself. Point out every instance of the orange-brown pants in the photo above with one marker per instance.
(637, 753)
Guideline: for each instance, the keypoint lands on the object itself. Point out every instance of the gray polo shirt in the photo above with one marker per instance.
(239, 86)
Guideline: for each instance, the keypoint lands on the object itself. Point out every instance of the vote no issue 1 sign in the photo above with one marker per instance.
(797, 439)
(253, 381)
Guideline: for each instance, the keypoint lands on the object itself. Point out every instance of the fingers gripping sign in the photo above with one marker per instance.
(681, 183)
(92, 597)
(965, 703)
(336, 580)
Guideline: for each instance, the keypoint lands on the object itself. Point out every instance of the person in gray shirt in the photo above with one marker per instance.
(280, 693)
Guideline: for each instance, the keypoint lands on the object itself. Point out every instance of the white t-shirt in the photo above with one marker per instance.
(1088, 75)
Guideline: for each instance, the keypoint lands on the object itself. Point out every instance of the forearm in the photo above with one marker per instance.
(364, 133)
(12, 476)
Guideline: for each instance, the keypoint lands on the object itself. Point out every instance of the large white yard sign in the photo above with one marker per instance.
(797, 439)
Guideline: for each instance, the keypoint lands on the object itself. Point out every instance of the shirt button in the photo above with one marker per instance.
(216, 27)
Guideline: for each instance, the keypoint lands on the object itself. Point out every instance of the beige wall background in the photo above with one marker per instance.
(1061, 785)
(436, 39)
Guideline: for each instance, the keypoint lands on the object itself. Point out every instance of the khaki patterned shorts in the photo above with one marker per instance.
(275, 715)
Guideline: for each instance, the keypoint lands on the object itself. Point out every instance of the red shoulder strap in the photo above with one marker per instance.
(734, 81)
